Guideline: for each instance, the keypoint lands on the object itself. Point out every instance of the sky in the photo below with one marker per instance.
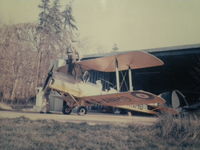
(131, 24)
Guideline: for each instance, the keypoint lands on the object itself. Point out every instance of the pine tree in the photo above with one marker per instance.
(44, 15)
(69, 19)
(55, 17)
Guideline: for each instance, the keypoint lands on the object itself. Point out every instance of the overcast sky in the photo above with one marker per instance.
(131, 24)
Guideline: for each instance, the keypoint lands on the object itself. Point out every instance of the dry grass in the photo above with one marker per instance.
(169, 133)
(4, 106)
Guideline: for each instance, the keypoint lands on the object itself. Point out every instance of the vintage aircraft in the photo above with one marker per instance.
(71, 83)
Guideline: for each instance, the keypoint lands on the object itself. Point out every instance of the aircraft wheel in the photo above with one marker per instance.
(129, 113)
(82, 111)
(66, 110)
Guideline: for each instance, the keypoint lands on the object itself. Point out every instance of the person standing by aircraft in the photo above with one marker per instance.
(73, 56)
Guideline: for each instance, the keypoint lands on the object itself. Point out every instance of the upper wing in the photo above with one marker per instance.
(124, 98)
(134, 60)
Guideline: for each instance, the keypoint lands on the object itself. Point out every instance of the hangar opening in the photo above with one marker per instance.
(181, 71)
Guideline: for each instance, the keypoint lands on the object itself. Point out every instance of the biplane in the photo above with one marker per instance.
(71, 82)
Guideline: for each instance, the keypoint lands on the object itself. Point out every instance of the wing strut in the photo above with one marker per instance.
(117, 75)
(118, 80)
(130, 79)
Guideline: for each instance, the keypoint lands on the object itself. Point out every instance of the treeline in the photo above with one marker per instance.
(53, 20)
(26, 50)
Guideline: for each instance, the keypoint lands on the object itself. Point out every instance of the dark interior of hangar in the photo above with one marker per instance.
(181, 71)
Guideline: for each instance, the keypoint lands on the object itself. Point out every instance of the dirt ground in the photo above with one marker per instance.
(90, 118)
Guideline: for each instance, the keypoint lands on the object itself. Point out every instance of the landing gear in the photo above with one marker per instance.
(82, 111)
(70, 105)
(66, 109)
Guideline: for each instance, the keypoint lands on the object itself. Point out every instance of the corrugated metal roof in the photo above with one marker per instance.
(173, 48)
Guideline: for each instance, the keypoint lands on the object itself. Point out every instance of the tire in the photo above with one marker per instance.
(82, 111)
(66, 110)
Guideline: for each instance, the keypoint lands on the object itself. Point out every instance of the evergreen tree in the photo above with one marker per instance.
(55, 17)
(69, 20)
(43, 16)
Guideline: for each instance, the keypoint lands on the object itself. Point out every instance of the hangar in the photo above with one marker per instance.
(181, 71)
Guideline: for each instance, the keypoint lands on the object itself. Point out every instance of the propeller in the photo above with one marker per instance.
(50, 73)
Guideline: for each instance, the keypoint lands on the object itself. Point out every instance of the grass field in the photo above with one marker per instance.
(169, 133)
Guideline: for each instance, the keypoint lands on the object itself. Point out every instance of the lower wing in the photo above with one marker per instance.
(124, 98)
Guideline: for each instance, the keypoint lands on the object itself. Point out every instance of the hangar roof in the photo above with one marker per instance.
(173, 50)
